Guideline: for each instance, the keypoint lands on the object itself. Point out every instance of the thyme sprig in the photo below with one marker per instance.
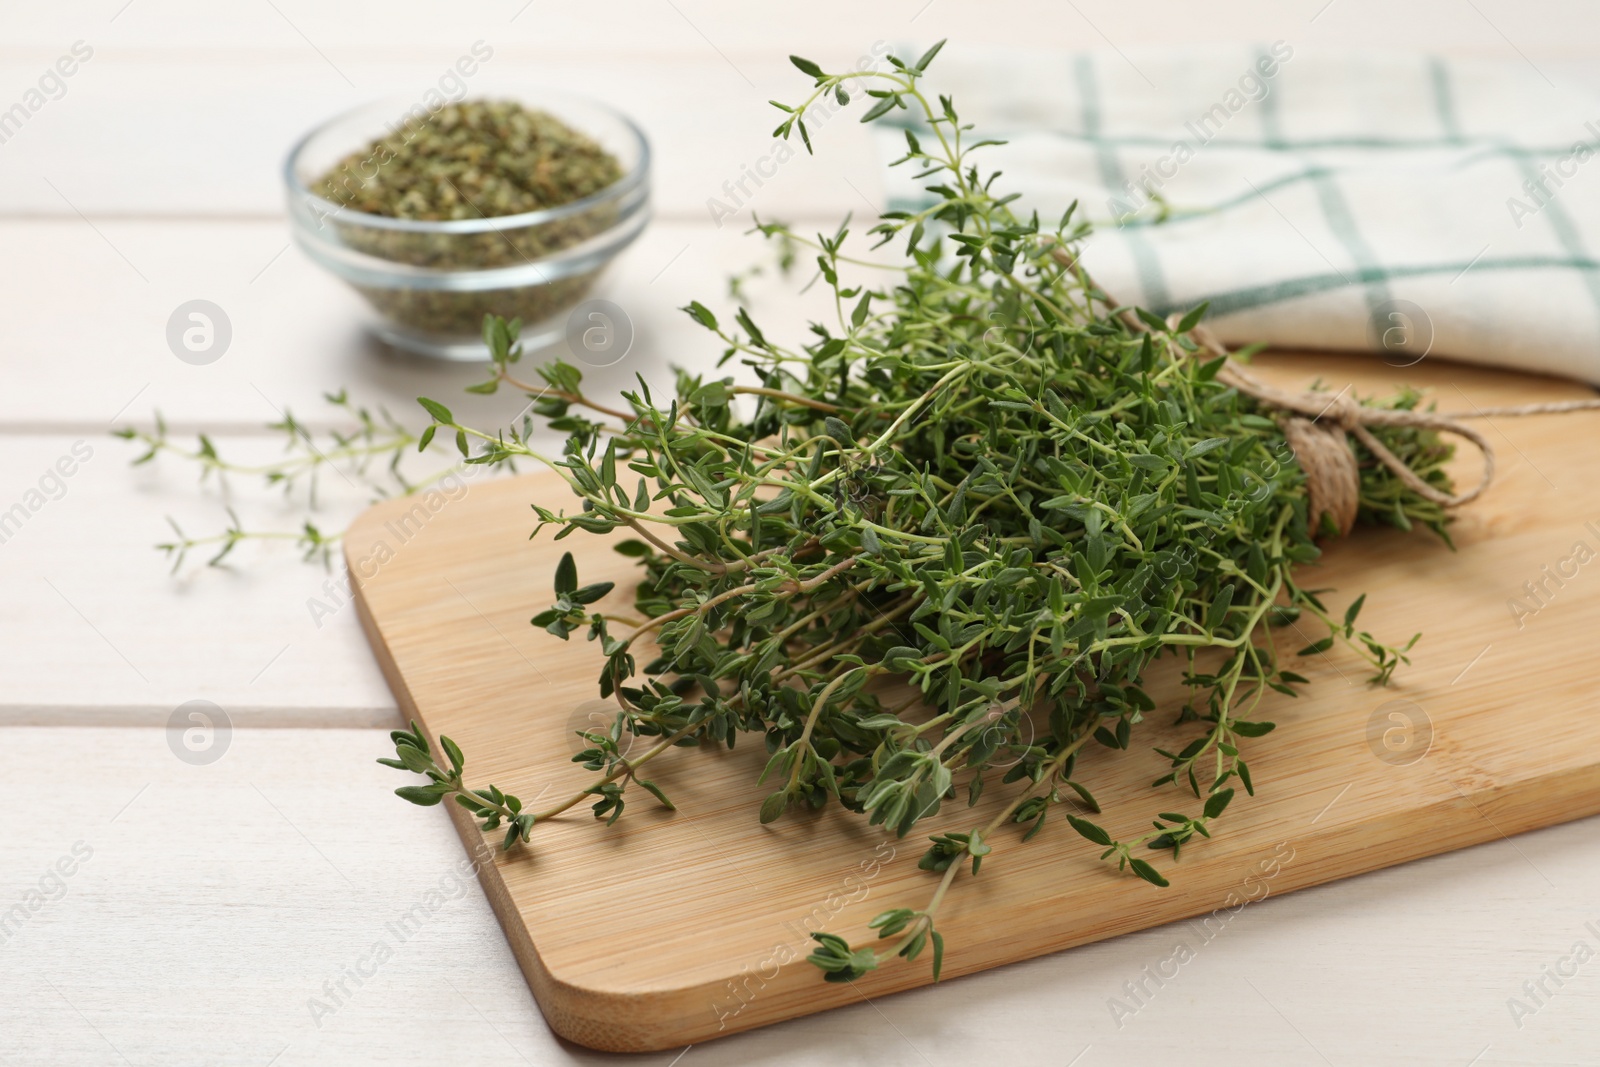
(368, 455)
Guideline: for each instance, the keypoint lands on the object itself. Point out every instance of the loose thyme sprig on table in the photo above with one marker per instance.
(369, 453)
(932, 553)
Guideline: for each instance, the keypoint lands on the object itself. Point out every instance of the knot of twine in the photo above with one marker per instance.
(1316, 426)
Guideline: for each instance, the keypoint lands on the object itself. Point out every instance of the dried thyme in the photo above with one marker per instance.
(475, 159)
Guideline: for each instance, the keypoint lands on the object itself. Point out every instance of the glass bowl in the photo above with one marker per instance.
(430, 283)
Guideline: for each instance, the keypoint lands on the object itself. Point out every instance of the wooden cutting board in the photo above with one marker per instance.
(672, 928)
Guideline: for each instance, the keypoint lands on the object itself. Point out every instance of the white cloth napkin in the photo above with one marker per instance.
(1411, 205)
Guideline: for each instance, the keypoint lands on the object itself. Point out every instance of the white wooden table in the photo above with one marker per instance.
(174, 913)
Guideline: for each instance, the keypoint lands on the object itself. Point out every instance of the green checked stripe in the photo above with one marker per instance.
(1566, 232)
(1145, 260)
(1444, 100)
(1313, 172)
(1335, 208)
(1271, 120)
(1258, 144)
(1258, 296)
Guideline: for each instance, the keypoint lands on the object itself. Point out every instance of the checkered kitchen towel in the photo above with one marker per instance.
(1354, 201)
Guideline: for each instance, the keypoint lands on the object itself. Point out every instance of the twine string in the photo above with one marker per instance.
(1316, 424)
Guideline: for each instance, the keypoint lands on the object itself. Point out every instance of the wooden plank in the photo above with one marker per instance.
(701, 27)
(105, 146)
(233, 891)
(278, 360)
(297, 331)
(448, 624)
(100, 632)
(213, 908)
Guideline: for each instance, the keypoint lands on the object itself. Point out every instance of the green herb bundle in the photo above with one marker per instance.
(934, 551)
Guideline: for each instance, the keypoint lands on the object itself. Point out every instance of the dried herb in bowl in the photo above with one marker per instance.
(477, 159)
(474, 159)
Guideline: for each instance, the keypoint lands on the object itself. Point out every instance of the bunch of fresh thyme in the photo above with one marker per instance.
(981, 483)
(933, 552)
